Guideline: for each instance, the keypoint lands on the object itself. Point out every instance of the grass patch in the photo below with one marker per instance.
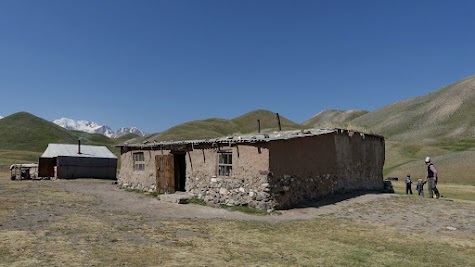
(197, 201)
(457, 145)
(9, 157)
(150, 194)
(449, 191)
(241, 208)
(388, 170)
(245, 209)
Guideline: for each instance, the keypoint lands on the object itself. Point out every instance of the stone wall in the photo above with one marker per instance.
(247, 185)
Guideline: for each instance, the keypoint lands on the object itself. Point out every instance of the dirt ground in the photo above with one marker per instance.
(105, 199)
(89, 222)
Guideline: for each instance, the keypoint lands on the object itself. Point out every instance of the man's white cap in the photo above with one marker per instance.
(427, 159)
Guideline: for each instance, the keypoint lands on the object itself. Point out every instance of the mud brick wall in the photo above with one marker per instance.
(248, 184)
(311, 168)
(142, 180)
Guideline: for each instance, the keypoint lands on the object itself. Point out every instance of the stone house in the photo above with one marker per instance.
(266, 171)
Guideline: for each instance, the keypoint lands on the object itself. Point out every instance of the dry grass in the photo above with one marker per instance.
(43, 225)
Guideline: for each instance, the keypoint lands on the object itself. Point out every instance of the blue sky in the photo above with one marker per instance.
(155, 64)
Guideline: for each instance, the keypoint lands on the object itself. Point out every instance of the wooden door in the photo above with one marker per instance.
(46, 167)
(165, 174)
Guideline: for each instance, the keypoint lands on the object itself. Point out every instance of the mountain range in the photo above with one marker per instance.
(92, 127)
(440, 124)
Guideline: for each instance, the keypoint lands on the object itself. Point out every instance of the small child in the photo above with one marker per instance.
(408, 182)
(420, 187)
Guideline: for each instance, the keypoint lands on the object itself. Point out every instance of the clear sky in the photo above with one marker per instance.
(156, 64)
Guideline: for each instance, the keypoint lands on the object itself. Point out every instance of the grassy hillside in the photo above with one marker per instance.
(24, 131)
(440, 125)
(445, 113)
(199, 129)
(334, 118)
(24, 137)
(247, 123)
(215, 127)
(414, 129)
(454, 160)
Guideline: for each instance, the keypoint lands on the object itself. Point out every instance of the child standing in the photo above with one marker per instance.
(408, 184)
(420, 188)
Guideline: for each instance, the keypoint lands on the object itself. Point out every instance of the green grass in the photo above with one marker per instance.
(448, 191)
(245, 209)
(389, 169)
(24, 137)
(9, 157)
(26, 132)
(197, 201)
(453, 159)
(456, 145)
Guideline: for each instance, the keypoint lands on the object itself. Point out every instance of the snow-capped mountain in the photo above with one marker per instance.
(125, 130)
(92, 127)
(84, 126)
(1, 117)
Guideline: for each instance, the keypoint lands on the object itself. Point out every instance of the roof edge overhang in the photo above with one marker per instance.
(235, 140)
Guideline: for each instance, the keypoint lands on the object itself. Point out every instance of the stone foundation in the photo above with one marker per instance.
(232, 191)
(136, 186)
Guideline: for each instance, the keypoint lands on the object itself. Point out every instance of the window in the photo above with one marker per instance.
(225, 164)
(139, 163)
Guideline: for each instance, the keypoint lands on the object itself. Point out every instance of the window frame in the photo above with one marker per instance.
(138, 159)
(224, 164)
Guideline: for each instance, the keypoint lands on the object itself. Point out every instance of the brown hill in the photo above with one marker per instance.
(333, 118)
(445, 113)
(440, 125)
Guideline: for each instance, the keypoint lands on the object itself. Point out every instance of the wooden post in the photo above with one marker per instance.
(278, 121)
(79, 146)
(258, 126)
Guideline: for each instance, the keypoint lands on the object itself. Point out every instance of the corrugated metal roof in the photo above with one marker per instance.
(256, 138)
(64, 150)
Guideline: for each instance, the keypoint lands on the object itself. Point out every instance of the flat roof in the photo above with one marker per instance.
(67, 150)
(249, 138)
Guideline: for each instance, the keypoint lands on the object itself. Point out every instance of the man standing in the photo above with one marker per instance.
(408, 184)
(431, 178)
